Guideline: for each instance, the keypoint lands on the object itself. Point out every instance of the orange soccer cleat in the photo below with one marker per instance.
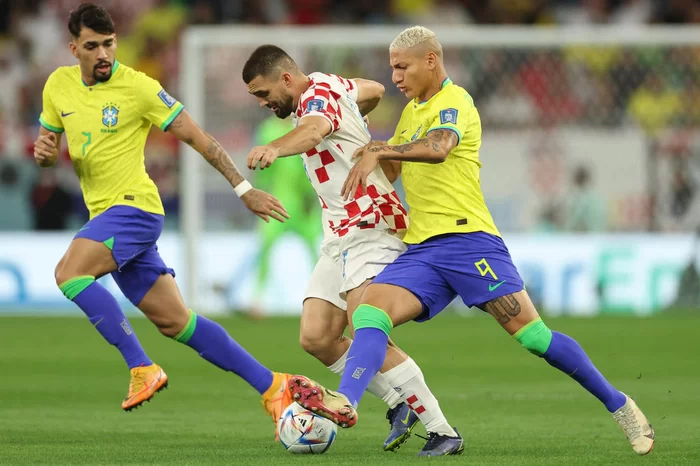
(146, 381)
(276, 399)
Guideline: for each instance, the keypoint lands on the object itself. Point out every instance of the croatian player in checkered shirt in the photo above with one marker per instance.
(361, 236)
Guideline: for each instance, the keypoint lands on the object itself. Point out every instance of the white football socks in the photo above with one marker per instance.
(407, 379)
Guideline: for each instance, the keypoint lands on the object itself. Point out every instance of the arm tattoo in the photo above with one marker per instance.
(403, 148)
(432, 141)
(176, 125)
(503, 308)
(219, 159)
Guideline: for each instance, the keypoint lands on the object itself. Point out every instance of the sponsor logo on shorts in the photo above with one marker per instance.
(493, 287)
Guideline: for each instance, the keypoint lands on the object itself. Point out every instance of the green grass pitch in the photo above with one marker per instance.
(61, 388)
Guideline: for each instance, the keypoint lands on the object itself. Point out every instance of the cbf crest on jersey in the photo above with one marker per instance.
(314, 105)
(110, 116)
(415, 135)
(449, 115)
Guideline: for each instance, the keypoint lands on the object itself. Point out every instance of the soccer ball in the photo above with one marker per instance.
(302, 431)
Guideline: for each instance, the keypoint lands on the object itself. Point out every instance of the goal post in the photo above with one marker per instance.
(551, 99)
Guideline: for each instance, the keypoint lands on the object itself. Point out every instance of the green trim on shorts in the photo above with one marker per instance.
(109, 243)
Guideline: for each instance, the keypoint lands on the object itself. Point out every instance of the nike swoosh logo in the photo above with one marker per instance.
(66, 114)
(84, 228)
(403, 131)
(493, 287)
(404, 421)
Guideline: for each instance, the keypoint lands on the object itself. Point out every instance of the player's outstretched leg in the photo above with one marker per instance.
(322, 335)
(366, 356)
(565, 354)
(163, 305)
(75, 276)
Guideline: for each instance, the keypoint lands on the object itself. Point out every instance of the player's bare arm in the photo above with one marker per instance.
(369, 93)
(391, 168)
(433, 148)
(46, 148)
(307, 135)
(259, 202)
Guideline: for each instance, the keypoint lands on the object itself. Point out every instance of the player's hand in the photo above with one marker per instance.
(264, 155)
(357, 177)
(46, 150)
(264, 205)
(372, 143)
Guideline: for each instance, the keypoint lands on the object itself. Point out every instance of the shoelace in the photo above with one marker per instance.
(393, 412)
(137, 381)
(433, 439)
(629, 423)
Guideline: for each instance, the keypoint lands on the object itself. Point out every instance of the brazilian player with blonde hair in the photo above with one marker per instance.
(106, 111)
(454, 249)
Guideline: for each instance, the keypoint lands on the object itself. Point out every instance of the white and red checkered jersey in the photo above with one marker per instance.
(328, 164)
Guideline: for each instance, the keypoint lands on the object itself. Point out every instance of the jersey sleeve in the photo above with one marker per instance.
(49, 117)
(320, 100)
(453, 114)
(155, 104)
(350, 87)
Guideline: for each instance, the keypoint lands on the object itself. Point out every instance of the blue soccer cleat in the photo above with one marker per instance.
(402, 420)
(442, 445)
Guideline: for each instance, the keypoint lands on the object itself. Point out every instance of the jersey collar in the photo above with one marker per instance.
(114, 70)
(444, 83)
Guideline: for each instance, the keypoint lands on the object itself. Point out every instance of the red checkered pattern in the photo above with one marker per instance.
(326, 159)
(415, 405)
(329, 163)
(330, 109)
(372, 210)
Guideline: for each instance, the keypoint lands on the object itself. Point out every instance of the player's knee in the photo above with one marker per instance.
(169, 328)
(62, 274)
(317, 344)
(535, 337)
(169, 324)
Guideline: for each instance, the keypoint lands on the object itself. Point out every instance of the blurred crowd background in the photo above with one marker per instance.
(519, 91)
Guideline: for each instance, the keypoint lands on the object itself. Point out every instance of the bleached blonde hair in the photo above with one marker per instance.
(416, 35)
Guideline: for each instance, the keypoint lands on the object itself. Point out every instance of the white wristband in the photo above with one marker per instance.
(242, 188)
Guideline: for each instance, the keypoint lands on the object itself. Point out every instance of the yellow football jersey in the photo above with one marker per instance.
(446, 197)
(106, 127)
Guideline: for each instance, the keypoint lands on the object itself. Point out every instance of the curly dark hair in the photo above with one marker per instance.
(90, 16)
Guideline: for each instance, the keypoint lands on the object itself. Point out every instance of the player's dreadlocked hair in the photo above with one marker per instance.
(266, 59)
(90, 16)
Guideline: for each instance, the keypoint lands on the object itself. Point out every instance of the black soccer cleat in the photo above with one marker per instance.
(402, 420)
(442, 445)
